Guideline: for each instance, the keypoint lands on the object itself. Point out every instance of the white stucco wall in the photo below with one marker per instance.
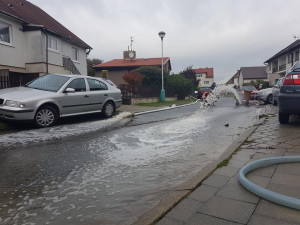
(13, 54)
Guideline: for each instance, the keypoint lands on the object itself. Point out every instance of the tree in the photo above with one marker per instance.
(181, 85)
(90, 64)
(190, 74)
(152, 75)
(133, 78)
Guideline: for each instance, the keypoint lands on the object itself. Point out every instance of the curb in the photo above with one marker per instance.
(182, 191)
(163, 109)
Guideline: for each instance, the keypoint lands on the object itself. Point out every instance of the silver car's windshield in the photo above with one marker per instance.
(48, 82)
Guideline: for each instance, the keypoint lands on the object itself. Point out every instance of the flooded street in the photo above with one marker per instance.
(111, 173)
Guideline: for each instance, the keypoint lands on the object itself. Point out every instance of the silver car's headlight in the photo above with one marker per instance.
(14, 104)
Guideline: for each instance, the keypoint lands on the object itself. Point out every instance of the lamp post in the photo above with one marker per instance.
(162, 92)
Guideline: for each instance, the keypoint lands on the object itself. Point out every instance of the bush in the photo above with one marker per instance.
(256, 83)
(181, 85)
(133, 78)
(152, 75)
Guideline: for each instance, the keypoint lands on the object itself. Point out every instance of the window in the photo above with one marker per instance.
(4, 33)
(206, 82)
(52, 43)
(96, 85)
(78, 85)
(75, 54)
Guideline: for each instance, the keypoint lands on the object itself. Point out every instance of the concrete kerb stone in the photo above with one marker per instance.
(182, 191)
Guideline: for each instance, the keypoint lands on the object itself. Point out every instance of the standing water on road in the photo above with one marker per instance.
(112, 177)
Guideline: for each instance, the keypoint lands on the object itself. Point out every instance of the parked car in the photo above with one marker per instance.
(47, 98)
(203, 90)
(252, 89)
(276, 90)
(289, 96)
(264, 95)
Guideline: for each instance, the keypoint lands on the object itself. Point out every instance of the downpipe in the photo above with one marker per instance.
(262, 192)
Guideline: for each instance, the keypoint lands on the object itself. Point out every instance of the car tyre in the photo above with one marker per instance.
(270, 99)
(45, 116)
(283, 118)
(108, 109)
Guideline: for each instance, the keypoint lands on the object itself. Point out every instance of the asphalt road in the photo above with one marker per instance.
(110, 172)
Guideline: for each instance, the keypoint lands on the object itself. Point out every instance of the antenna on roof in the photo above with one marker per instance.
(296, 37)
(131, 41)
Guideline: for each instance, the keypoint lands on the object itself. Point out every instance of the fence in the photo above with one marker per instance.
(16, 79)
(4, 82)
(129, 92)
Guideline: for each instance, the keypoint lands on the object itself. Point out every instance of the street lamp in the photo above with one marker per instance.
(162, 92)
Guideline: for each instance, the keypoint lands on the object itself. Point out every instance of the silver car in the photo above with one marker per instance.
(264, 95)
(47, 98)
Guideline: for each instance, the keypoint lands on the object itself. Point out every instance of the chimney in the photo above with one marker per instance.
(129, 55)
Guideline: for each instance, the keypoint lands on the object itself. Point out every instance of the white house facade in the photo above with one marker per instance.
(280, 63)
(33, 44)
(205, 76)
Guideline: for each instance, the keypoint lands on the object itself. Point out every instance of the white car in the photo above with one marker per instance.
(47, 98)
(264, 95)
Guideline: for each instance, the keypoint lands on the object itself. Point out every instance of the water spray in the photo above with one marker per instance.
(221, 91)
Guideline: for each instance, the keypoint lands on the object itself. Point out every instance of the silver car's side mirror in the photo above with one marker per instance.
(70, 90)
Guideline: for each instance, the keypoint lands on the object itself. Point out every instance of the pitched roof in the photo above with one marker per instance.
(231, 80)
(209, 71)
(133, 63)
(30, 14)
(254, 72)
(295, 44)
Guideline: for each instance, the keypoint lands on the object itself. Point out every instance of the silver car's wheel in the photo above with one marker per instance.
(46, 116)
(270, 99)
(108, 109)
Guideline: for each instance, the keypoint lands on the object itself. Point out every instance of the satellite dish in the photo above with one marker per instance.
(131, 55)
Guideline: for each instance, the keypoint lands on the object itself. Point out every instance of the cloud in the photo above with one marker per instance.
(224, 34)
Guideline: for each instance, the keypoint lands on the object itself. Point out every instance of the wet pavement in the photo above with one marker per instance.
(88, 173)
(221, 199)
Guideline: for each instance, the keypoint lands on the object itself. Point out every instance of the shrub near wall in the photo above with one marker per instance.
(181, 85)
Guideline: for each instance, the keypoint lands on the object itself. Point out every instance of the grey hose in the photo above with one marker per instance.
(262, 192)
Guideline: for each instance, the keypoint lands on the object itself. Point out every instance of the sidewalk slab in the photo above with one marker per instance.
(272, 210)
(228, 209)
(203, 193)
(256, 219)
(202, 219)
(237, 192)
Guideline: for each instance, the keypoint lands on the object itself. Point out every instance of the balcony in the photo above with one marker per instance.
(282, 67)
(274, 69)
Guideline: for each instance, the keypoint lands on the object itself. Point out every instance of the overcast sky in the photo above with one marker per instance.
(223, 34)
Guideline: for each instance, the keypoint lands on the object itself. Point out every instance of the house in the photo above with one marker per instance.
(248, 74)
(235, 80)
(253, 73)
(205, 76)
(115, 69)
(280, 63)
(32, 43)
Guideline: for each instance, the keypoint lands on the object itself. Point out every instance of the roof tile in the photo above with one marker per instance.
(209, 71)
(133, 63)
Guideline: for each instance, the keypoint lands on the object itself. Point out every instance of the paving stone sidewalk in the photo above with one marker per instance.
(221, 200)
